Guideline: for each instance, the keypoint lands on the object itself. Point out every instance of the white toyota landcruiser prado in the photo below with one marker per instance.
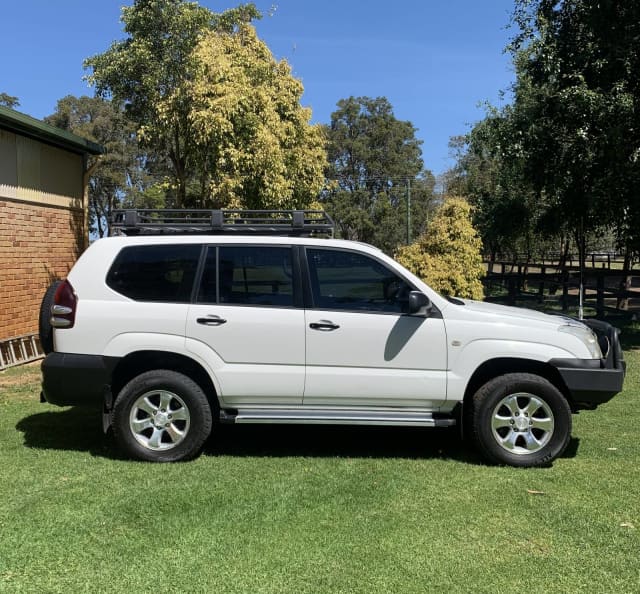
(193, 318)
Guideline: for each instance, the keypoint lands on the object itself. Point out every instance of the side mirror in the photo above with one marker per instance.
(419, 304)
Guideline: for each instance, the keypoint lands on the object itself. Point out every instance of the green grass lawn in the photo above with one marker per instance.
(314, 509)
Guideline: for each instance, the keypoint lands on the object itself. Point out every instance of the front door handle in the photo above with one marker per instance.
(211, 321)
(324, 326)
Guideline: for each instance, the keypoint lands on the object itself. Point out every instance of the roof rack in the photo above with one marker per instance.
(216, 222)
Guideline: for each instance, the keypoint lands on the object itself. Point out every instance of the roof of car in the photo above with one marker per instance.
(235, 239)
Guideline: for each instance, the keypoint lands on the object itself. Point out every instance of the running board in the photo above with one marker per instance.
(336, 417)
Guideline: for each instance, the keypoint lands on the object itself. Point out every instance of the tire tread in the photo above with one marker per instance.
(199, 430)
(510, 382)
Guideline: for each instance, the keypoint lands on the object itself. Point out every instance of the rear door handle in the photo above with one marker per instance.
(324, 326)
(211, 321)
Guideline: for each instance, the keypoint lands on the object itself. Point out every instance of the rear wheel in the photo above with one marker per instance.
(44, 321)
(520, 419)
(161, 416)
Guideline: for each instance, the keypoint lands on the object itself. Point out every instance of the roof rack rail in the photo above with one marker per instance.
(225, 221)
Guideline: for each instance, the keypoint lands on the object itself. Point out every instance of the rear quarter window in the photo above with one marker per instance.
(162, 273)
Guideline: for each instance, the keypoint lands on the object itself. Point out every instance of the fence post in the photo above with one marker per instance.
(600, 295)
(512, 287)
(623, 295)
(565, 290)
(541, 285)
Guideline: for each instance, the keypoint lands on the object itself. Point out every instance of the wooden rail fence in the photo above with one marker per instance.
(604, 288)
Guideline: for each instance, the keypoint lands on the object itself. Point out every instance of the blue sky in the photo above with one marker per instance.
(435, 61)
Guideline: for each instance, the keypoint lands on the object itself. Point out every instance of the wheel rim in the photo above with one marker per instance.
(159, 420)
(522, 423)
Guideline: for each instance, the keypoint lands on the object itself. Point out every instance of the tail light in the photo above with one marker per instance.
(63, 310)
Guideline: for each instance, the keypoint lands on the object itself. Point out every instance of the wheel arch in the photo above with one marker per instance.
(138, 362)
(504, 365)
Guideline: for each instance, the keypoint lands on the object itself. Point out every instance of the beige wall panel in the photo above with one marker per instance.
(28, 163)
(61, 172)
(8, 159)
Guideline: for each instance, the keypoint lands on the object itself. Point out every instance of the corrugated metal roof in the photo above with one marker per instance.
(20, 123)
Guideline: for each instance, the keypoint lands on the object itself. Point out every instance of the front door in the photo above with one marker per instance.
(362, 350)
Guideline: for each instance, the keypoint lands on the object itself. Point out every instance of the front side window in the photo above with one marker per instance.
(248, 275)
(163, 273)
(352, 281)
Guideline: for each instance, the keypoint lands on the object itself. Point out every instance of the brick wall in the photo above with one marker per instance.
(38, 245)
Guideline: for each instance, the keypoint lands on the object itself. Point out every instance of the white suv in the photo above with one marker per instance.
(170, 333)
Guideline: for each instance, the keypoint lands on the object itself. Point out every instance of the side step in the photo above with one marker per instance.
(335, 417)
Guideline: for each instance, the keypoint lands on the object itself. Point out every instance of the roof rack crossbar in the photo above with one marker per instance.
(221, 221)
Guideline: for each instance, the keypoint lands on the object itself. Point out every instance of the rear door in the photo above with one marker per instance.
(362, 348)
(248, 321)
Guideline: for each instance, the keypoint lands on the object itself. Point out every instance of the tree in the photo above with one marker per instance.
(448, 255)
(118, 171)
(576, 110)
(488, 172)
(252, 137)
(561, 163)
(374, 167)
(9, 101)
(149, 72)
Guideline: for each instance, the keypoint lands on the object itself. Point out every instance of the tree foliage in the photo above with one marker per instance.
(257, 146)
(566, 151)
(118, 170)
(149, 72)
(374, 165)
(9, 101)
(489, 173)
(578, 108)
(217, 116)
(448, 255)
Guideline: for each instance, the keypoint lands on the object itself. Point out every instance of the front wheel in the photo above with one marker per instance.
(520, 419)
(161, 416)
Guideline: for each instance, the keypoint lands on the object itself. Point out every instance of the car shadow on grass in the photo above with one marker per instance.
(73, 429)
(341, 441)
(80, 429)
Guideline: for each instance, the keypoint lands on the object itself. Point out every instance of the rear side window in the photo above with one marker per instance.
(163, 273)
(248, 275)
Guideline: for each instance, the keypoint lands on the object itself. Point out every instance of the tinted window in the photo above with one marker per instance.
(207, 293)
(256, 275)
(348, 280)
(155, 272)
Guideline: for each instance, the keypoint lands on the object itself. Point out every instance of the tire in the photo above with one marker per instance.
(520, 419)
(45, 330)
(161, 416)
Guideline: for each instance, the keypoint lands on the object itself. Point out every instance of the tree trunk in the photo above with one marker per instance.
(625, 283)
(564, 254)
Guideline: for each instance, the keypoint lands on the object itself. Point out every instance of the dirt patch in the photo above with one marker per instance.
(21, 375)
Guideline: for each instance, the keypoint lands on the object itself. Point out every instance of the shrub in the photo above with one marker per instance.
(447, 256)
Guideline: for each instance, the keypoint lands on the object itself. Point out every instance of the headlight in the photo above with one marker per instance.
(586, 335)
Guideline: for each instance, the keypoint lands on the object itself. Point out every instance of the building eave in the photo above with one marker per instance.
(20, 123)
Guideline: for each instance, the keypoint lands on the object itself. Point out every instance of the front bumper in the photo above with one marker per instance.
(76, 380)
(594, 381)
(589, 385)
